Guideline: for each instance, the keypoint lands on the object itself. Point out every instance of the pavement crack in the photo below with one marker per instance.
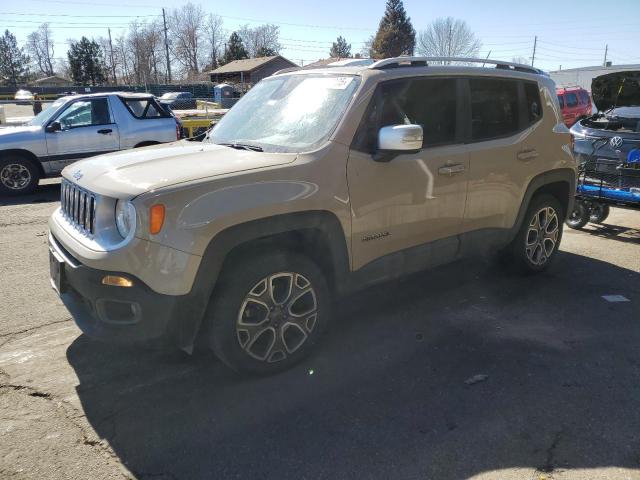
(549, 465)
(9, 336)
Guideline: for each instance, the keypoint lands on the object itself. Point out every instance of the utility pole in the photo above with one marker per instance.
(450, 40)
(166, 46)
(113, 65)
(606, 50)
(535, 44)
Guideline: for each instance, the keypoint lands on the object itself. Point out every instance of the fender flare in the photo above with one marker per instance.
(561, 175)
(194, 304)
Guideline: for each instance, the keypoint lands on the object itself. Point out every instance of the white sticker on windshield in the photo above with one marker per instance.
(339, 83)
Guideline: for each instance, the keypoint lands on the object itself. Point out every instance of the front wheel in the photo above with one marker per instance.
(18, 175)
(539, 237)
(268, 311)
(579, 216)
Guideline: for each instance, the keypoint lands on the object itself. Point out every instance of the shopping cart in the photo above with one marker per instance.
(605, 183)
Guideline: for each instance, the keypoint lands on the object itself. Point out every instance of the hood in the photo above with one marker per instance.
(619, 89)
(133, 172)
(23, 129)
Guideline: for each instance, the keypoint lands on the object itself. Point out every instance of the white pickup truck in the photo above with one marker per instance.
(76, 127)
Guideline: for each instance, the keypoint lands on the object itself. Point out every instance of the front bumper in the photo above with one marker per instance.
(118, 314)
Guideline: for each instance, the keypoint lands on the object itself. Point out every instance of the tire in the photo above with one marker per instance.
(18, 175)
(243, 292)
(538, 239)
(599, 212)
(579, 216)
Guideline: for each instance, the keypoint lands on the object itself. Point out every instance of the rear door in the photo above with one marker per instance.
(87, 129)
(501, 159)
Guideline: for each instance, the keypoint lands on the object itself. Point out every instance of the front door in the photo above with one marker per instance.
(87, 129)
(415, 198)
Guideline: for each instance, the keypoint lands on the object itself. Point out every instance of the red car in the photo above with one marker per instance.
(575, 103)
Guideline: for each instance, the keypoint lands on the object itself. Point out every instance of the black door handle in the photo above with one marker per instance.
(105, 131)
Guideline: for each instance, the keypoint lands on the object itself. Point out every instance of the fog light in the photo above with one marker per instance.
(116, 281)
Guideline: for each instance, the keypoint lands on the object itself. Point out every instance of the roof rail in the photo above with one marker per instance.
(424, 62)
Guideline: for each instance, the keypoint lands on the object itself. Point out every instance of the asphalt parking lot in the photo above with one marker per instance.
(556, 366)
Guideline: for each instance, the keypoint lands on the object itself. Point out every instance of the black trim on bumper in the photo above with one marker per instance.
(117, 314)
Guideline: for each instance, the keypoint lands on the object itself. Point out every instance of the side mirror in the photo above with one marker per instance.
(54, 127)
(397, 139)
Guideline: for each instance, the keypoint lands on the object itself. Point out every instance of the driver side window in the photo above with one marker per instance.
(85, 113)
(431, 103)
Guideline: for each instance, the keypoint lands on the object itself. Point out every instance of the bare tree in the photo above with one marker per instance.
(365, 51)
(520, 59)
(261, 41)
(215, 41)
(187, 28)
(448, 37)
(144, 47)
(40, 46)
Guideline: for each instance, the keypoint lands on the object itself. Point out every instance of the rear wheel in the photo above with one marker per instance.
(268, 311)
(579, 216)
(539, 237)
(599, 213)
(18, 175)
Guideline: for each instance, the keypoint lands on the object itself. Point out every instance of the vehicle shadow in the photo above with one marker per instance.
(47, 192)
(615, 232)
(385, 395)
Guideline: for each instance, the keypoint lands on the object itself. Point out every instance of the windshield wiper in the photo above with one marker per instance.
(243, 146)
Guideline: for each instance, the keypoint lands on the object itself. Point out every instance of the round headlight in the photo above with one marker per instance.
(125, 217)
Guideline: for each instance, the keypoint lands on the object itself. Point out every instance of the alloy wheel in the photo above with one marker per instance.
(542, 236)
(15, 176)
(277, 316)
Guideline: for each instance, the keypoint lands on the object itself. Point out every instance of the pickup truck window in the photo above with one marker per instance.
(143, 108)
(84, 113)
(45, 115)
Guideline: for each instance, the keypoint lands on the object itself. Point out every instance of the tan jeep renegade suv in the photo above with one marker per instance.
(316, 183)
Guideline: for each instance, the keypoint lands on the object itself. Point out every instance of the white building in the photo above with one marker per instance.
(583, 76)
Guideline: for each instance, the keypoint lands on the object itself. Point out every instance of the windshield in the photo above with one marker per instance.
(44, 116)
(291, 113)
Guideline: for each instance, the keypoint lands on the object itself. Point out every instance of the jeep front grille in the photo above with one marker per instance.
(78, 206)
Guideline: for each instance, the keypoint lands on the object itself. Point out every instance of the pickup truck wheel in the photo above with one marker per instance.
(267, 312)
(18, 175)
(539, 237)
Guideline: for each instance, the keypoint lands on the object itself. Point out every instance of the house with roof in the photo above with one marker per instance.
(250, 70)
(53, 81)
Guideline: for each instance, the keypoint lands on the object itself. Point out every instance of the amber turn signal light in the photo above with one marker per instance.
(117, 281)
(156, 218)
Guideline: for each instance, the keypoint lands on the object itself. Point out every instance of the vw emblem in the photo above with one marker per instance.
(78, 174)
(615, 142)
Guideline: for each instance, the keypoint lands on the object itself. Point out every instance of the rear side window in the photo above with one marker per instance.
(143, 108)
(532, 99)
(572, 99)
(561, 101)
(494, 108)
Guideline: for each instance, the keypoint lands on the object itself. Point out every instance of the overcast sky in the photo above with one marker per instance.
(571, 34)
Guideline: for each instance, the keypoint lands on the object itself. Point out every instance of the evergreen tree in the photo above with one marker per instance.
(340, 49)
(265, 52)
(86, 62)
(396, 35)
(235, 49)
(14, 64)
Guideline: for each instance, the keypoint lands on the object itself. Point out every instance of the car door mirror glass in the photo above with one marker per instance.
(395, 139)
(54, 127)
